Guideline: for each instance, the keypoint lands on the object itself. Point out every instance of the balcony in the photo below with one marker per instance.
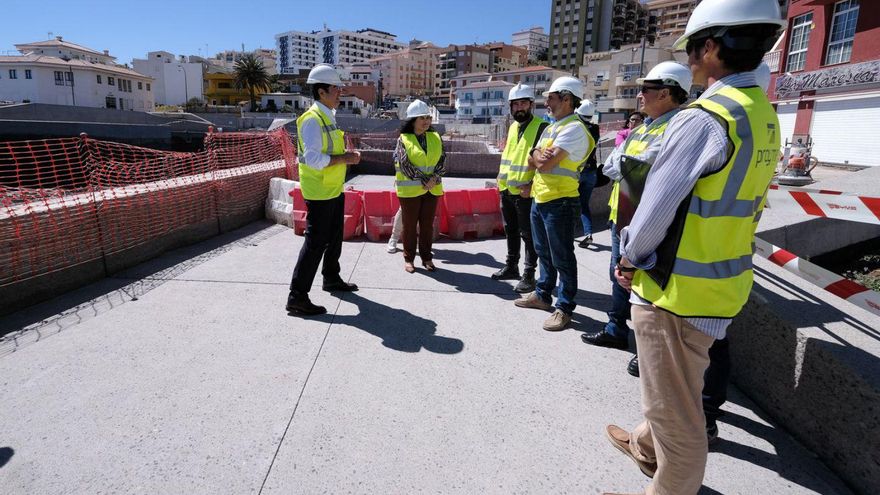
(626, 80)
(599, 84)
(603, 105)
(772, 59)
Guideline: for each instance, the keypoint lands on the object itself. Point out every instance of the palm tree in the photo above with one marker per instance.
(250, 74)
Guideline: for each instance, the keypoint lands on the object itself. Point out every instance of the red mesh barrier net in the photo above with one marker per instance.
(69, 201)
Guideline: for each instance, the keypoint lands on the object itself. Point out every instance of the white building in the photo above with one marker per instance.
(538, 77)
(228, 58)
(295, 101)
(535, 40)
(62, 73)
(297, 51)
(486, 99)
(175, 81)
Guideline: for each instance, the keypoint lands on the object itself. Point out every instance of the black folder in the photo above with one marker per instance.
(632, 185)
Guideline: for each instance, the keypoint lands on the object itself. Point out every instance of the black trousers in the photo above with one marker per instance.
(716, 378)
(516, 211)
(323, 240)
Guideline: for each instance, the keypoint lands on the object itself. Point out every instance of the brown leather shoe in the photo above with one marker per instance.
(619, 438)
(533, 301)
(557, 321)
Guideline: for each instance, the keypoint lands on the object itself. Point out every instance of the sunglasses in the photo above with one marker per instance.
(635, 119)
(645, 89)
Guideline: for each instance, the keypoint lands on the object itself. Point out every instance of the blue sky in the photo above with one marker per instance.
(130, 29)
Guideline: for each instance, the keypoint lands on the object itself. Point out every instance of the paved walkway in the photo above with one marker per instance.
(185, 375)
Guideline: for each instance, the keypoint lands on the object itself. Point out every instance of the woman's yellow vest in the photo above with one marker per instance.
(424, 161)
(514, 172)
(712, 272)
(636, 143)
(562, 180)
(325, 183)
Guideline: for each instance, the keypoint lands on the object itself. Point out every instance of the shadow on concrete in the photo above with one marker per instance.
(399, 330)
(453, 257)
(48, 318)
(6, 453)
(787, 457)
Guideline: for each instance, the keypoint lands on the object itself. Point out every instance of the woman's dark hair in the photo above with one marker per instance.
(409, 125)
(743, 47)
(316, 87)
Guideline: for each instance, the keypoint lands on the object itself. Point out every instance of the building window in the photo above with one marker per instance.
(99, 79)
(110, 81)
(148, 86)
(27, 74)
(140, 85)
(13, 74)
(800, 38)
(843, 30)
(59, 78)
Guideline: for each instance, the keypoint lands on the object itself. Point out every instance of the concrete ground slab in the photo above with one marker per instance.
(415, 383)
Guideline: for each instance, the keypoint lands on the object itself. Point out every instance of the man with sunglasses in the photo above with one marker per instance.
(663, 91)
(716, 161)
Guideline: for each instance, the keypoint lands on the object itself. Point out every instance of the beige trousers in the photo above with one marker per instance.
(673, 355)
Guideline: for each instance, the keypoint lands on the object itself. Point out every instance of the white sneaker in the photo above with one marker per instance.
(392, 246)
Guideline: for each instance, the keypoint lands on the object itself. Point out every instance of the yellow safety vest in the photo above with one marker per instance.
(636, 143)
(325, 183)
(424, 161)
(562, 180)
(514, 172)
(712, 272)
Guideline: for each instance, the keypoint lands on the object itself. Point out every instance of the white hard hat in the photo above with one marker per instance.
(521, 92)
(324, 74)
(719, 13)
(670, 74)
(587, 108)
(762, 76)
(566, 83)
(417, 108)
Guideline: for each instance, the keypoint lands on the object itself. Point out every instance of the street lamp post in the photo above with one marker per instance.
(185, 86)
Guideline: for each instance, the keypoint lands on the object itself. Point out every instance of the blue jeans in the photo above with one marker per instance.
(616, 326)
(553, 237)
(585, 190)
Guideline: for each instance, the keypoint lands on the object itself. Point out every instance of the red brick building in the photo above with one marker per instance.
(826, 78)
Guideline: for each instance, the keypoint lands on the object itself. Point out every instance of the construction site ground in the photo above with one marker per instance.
(186, 375)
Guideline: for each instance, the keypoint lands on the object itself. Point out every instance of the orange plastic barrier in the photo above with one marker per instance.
(353, 225)
(379, 210)
(299, 211)
(474, 212)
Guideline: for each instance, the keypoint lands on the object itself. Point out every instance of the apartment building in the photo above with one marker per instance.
(539, 77)
(826, 80)
(228, 58)
(175, 81)
(59, 72)
(454, 61)
(672, 15)
(578, 27)
(408, 72)
(535, 41)
(297, 51)
(484, 99)
(506, 57)
(610, 77)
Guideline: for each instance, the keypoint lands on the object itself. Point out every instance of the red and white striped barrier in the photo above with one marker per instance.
(824, 203)
(841, 287)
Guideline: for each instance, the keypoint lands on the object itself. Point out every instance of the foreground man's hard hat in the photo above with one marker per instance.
(718, 13)
(566, 83)
(417, 108)
(587, 109)
(670, 74)
(324, 74)
(521, 92)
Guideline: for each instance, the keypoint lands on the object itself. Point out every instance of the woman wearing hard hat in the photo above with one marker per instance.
(418, 166)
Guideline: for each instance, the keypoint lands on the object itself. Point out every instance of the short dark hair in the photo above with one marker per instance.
(678, 94)
(409, 126)
(316, 87)
(741, 48)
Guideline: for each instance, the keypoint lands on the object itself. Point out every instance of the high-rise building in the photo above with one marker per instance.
(585, 26)
(672, 15)
(299, 51)
(535, 40)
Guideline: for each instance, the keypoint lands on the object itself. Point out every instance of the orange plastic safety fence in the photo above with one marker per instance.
(66, 202)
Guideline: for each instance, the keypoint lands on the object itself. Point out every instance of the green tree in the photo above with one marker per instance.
(251, 75)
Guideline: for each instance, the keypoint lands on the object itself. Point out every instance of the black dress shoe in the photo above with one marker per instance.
(633, 367)
(506, 273)
(604, 339)
(302, 306)
(585, 242)
(339, 285)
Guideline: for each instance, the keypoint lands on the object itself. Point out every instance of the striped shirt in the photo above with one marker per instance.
(411, 171)
(694, 144)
